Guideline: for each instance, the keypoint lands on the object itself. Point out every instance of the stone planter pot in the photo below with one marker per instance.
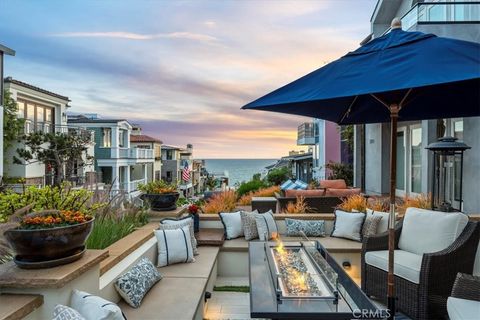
(35, 248)
(161, 201)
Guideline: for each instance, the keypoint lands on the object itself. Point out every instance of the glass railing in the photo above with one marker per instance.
(442, 12)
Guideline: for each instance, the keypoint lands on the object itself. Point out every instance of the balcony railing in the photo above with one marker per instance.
(441, 13)
(132, 153)
(306, 134)
(48, 127)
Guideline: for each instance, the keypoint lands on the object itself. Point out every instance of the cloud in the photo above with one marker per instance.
(137, 36)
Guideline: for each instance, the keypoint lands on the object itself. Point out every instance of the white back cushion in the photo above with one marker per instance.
(426, 231)
(232, 222)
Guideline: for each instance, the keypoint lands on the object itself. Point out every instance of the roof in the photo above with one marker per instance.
(169, 147)
(87, 120)
(143, 138)
(29, 86)
(7, 50)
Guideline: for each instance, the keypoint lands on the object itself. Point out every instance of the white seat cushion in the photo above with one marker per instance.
(426, 231)
(407, 265)
(462, 309)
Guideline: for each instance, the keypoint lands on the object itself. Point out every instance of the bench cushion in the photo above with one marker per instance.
(426, 231)
(461, 309)
(407, 264)
(171, 298)
(201, 268)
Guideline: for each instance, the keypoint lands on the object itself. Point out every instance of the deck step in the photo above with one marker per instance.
(18, 306)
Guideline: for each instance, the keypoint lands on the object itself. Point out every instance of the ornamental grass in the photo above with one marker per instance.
(300, 206)
(221, 202)
(422, 201)
(354, 202)
(246, 200)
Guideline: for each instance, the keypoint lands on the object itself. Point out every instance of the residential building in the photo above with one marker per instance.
(3, 51)
(300, 163)
(174, 161)
(120, 164)
(452, 19)
(139, 140)
(43, 111)
(324, 138)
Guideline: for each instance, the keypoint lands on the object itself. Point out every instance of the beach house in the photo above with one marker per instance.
(43, 111)
(120, 164)
(459, 20)
(142, 141)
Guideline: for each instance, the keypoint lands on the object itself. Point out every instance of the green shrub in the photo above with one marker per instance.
(278, 175)
(158, 186)
(252, 185)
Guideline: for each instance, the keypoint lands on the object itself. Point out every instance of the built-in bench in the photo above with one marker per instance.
(18, 306)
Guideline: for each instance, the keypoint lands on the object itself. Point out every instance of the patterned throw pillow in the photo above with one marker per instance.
(311, 228)
(93, 307)
(61, 312)
(249, 225)
(134, 285)
(370, 226)
(174, 246)
(170, 224)
(266, 225)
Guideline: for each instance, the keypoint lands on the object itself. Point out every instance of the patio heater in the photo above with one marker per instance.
(447, 177)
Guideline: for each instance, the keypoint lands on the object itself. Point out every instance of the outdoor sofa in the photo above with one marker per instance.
(431, 247)
(322, 200)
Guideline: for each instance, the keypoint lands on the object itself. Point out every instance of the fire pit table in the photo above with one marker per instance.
(300, 280)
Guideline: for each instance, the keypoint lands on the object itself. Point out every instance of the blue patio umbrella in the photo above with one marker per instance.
(398, 76)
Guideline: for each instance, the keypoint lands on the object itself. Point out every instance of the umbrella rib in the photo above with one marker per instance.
(347, 113)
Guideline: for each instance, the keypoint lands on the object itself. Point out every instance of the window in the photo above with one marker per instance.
(106, 137)
(416, 159)
(37, 117)
(121, 138)
(169, 154)
(21, 110)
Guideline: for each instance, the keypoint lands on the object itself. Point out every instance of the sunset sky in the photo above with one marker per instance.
(182, 69)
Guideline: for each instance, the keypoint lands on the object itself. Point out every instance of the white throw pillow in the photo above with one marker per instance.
(232, 222)
(348, 225)
(174, 246)
(426, 231)
(95, 308)
(61, 312)
(169, 223)
(266, 225)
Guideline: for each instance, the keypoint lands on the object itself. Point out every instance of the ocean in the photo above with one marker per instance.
(238, 169)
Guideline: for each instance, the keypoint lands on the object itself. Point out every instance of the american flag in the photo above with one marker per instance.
(186, 172)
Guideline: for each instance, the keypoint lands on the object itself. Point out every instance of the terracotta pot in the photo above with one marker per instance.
(161, 201)
(39, 245)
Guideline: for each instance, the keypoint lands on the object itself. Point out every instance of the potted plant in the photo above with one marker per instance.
(193, 210)
(161, 196)
(49, 238)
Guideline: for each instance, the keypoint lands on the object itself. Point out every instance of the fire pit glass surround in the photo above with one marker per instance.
(297, 275)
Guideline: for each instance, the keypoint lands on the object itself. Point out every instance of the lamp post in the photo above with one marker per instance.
(447, 177)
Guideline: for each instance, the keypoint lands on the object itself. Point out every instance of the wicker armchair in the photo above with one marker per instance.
(464, 303)
(428, 298)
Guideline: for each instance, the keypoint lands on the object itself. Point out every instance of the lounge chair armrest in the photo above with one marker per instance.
(380, 241)
(467, 287)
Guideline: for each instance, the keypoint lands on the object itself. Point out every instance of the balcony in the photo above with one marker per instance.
(132, 153)
(48, 127)
(431, 13)
(306, 134)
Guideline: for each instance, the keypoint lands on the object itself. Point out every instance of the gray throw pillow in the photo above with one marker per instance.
(370, 226)
(134, 285)
(266, 225)
(311, 228)
(249, 225)
(61, 312)
(171, 224)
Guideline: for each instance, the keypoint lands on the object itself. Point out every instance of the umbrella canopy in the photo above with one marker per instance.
(399, 76)
(443, 73)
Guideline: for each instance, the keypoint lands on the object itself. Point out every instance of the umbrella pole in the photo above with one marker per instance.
(394, 109)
